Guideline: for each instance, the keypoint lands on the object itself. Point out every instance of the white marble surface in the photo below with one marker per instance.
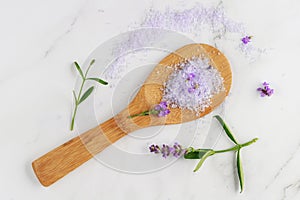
(40, 39)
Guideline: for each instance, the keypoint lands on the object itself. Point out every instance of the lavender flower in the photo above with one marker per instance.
(246, 39)
(167, 150)
(193, 87)
(154, 148)
(191, 76)
(190, 80)
(177, 150)
(161, 110)
(265, 90)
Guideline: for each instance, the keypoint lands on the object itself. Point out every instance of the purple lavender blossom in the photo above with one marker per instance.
(246, 39)
(165, 150)
(176, 150)
(154, 148)
(191, 76)
(193, 87)
(161, 110)
(265, 90)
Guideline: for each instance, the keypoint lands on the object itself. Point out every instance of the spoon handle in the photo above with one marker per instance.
(60, 161)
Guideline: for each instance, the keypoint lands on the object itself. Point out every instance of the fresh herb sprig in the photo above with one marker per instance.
(81, 97)
(190, 153)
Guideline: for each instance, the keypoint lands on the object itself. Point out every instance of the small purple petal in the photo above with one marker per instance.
(191, 76)
(163, 104)
(157, 107)
(167, 111)
(265, 84)
(161, 114)
(191, 90)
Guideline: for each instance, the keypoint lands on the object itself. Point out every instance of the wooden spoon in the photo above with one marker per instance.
(60, 161)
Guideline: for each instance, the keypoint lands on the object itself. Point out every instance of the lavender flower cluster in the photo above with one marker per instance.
(265, 90)
(246, 39)
(193, 84)
(176, 150)
(161, 110)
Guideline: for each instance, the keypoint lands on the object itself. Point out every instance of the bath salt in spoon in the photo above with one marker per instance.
(60, 161)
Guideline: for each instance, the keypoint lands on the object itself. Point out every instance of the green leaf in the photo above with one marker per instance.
(86, 94)
(195, 154)
(206, 155)
(75, 98)
(240, 171)
(92, 62)
(98, 80)
(226, 129)
(79, 69)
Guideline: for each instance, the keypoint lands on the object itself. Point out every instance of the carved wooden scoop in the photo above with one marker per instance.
(60, 161)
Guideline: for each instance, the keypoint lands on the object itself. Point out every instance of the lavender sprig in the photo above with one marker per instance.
(81, 97)
(202, 154)
(159, 110)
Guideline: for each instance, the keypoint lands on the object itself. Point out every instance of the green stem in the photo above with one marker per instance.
(147, 112)
(76, 103)
(73, 117)
(84, 78)
(79, 96)
(238, 146)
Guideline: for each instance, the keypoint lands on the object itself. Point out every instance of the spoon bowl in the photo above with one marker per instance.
(60, 161)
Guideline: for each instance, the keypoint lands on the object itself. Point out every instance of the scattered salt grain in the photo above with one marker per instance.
(192, 21)
(192, 85)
